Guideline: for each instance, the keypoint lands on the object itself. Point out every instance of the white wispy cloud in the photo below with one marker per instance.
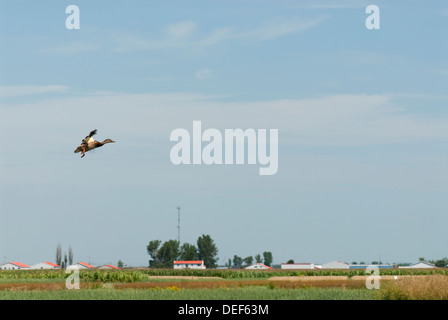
(141, 124)
(71, 48)
(15, 91)
(333, 6)
(185, 34)
(439, 71)
(366, 57)
(360, 57)
(181, 29)
(336, 120)
(341, 4)
(267, 30)
(204, 74)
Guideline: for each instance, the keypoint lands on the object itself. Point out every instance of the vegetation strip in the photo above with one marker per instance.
(224, 284)
(141, 274)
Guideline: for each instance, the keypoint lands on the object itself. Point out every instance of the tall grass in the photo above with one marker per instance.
(171, 293)
(433, 287)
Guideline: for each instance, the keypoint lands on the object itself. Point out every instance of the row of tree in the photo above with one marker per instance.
(239, 262)
(163, 255)
(68, 257)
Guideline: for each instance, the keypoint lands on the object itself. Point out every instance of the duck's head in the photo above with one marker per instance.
(108, 141)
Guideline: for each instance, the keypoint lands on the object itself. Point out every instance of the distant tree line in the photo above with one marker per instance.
(164, 254)
(441, 263)
(239, 262)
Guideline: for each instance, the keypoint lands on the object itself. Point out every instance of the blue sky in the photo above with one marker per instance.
(362, 119)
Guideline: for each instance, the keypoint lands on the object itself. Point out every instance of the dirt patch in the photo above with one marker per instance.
(388, 277)
(199, 284)
(44, 286)
(308, 278)
(182, 277)
(31, 286)
(294, 282)
(340, 278)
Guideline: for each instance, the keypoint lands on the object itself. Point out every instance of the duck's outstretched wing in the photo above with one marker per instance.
(91, 134)
(89, 137)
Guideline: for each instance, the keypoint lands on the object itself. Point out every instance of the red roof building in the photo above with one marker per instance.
(84, 265)
(45, 265)
(108, 266)
(12, 265)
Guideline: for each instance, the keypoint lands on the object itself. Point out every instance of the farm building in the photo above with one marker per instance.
(108, 266)
(45, 265)
(81, 265)
(14, 266)
(195, 264)
(298, 266)
(364, 266)
(335, 265)
(258, 266)
(420, 265)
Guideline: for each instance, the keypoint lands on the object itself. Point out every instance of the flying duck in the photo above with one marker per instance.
(88, 143)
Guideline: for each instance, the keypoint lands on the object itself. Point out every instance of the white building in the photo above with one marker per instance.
(194, 264)
(45, 265)
(298, 266)
(419, 265)
(365, 266)
(81, 265)
(108, 266)
(335, 265)
(14, 266)
(258, 266)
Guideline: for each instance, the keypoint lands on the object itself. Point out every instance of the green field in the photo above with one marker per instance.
(169, 284)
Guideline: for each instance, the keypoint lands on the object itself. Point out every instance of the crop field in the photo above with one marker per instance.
(170, 284)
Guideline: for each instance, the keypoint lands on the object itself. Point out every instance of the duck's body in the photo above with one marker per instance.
(88, 143)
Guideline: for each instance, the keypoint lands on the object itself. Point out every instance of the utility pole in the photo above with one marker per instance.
(178, 225)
